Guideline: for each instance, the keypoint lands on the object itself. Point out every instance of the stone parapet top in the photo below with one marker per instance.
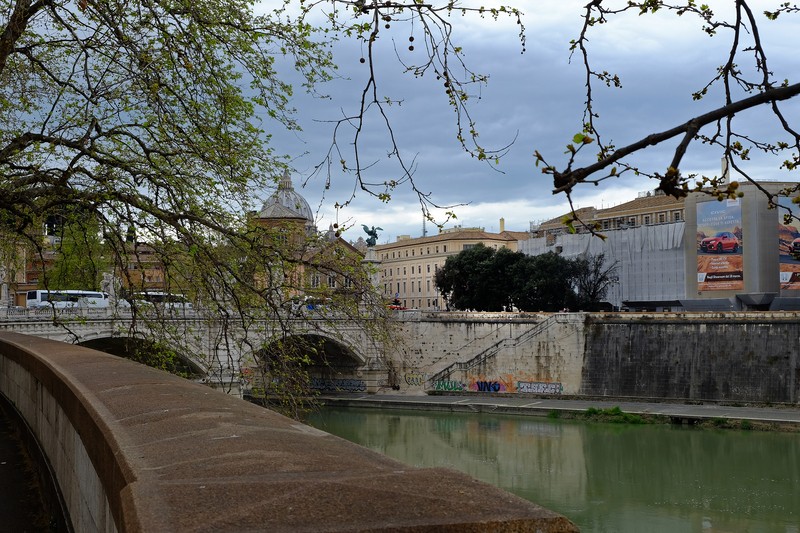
(174, 455)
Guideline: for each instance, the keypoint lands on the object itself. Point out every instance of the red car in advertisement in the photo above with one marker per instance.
(723, 241)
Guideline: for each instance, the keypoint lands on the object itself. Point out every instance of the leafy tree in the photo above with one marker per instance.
(80, 257)
(544, 283)
(592, 278)
(155, 117)
(463, 279)
(483, 279)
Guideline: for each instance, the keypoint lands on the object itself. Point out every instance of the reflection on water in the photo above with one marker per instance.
(604, 477)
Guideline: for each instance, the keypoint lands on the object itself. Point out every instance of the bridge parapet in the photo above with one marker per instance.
(136, 449)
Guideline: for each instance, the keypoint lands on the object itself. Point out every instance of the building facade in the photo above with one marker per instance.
(697, 253)
(408, 266)
(311, 265)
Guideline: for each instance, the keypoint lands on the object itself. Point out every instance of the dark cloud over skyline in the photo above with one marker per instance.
(534, 99)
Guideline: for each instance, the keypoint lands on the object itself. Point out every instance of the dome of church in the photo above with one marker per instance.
(286, 203)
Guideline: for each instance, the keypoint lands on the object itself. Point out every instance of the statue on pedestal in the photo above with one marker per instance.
(372, 240)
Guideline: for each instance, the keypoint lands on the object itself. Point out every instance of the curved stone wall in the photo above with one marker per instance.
(135, 449)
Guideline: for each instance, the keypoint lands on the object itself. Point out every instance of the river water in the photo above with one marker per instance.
(604, 477)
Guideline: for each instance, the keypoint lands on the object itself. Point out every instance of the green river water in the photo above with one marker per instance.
(604, 477)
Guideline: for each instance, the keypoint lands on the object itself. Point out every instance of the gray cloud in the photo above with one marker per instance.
(537, 98)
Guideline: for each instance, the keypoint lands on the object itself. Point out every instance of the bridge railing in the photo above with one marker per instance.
(136, 449)
(48, 313)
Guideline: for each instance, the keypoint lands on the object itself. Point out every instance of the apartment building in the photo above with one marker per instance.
(649, 208)
(408, 266)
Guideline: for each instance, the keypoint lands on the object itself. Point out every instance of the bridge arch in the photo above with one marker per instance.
(314, 349)
(330, 364)
(142, 350)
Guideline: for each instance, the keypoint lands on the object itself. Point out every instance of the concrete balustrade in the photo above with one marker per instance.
(135, 449)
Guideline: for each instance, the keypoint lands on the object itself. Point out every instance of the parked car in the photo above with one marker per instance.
(796, 246)
(723, 241)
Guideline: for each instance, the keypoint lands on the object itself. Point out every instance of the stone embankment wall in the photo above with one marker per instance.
(747, 357)
(136, 449)
(744, 357)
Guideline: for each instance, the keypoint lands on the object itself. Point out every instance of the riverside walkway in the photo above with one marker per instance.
(532, 406)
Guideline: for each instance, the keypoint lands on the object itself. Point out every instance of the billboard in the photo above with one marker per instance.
(719, 246)
(788, 245)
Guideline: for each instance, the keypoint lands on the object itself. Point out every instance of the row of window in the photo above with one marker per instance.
(431, 303)
(316, 280)
(390, 271)
(647, 220)
(387, 287)
(414, 250)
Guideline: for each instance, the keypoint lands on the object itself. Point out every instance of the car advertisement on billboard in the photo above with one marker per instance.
(719, 246)
(788, 244)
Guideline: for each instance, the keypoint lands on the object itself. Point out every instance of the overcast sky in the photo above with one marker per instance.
(534, 99)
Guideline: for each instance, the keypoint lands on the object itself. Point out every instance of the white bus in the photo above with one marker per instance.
(161, 299)
(62, 299)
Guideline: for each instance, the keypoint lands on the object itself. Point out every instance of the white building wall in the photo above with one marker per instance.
(650, 259)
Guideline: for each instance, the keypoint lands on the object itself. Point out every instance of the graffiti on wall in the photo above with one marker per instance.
(450, 386)
(540, 387)
(481, 383)
(414, 379)
(488, 386)
(520, 383)
(338, 385)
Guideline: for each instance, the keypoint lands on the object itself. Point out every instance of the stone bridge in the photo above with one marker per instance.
(219, 352)
(732, 356)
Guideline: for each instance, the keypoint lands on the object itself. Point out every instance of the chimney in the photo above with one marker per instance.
(502, 225)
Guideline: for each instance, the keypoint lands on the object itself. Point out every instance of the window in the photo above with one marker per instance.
(429, 269)
(646, 220)
(444, 248)
(662, 217)
(437, 249)
(404, 287)
(676, 216)
(468, 246)
(412, 253)
(606, 224)
(315, 281)
(404, 271)
(390, 272)
(632, 221)
(332, 281)
(429, 287)
(348, 283)
(412, 269)
(428, 250)
(406, 253)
